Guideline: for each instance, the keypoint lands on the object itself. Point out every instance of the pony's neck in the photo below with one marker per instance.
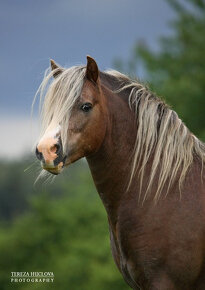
(111, 164)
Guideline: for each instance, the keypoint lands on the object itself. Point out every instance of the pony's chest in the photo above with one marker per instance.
(126, 259)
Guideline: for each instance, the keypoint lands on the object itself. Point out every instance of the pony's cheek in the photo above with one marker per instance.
(79, 146)
(74, 153)
(73, 142)
(75, 146)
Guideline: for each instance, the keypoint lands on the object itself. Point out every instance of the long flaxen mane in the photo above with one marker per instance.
(159, 129)
(57, 98)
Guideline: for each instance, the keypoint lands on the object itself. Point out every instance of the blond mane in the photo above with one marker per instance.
(159, 130)
(57, 97)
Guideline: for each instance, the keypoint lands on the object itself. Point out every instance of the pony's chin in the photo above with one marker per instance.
(54, 170)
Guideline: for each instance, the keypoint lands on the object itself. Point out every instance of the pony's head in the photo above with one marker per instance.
(73, 112)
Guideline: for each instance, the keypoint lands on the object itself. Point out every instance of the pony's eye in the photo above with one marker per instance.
(86, 107)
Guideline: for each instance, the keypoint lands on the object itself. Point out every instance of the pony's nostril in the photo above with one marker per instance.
(39, 155)
(58, 148)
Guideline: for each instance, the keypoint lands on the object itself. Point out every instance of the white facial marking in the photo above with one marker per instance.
(45, 145)
(53, 133)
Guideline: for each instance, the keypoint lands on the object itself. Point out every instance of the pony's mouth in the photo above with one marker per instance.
(55, 169)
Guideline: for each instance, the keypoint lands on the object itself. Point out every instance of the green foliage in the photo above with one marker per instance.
(64, 230)
(177, 70)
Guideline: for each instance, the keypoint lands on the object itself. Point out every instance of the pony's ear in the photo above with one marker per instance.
(57, 70)
(92, 69)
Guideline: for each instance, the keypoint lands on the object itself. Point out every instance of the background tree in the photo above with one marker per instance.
(62, 228)
(177, 70)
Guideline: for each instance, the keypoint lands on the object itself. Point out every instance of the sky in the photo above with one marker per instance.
(32, 32)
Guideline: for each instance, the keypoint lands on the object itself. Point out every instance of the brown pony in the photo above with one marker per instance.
(146, 165)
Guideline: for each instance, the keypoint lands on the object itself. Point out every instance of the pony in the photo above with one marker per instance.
(146, 165)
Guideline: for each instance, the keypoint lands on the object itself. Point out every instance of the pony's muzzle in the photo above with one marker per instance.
(49, 151)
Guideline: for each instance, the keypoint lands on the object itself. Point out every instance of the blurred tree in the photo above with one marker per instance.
(177, 70)
(67, 235)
